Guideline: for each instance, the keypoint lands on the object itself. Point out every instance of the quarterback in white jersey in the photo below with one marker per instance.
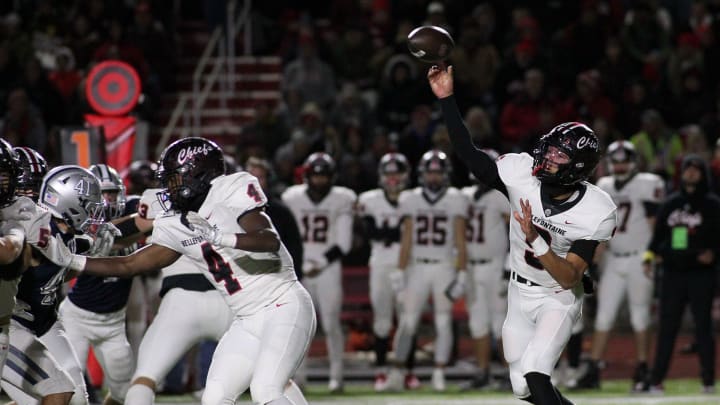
(379, 211)
(432, 259)
(324, 214)
(559, 220)
(217, 221)
(637, 196)
(487, 245)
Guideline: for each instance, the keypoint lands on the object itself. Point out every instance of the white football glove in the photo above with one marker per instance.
(20, 210)
(456, 289)
(397, 280)
(209, 232)
(14, 229)
(312, 266)
(104, 240)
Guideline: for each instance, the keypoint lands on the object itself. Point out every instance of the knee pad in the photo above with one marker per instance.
(214, 394)
(139, 394)
(443, 321)
(479, 325)
(603, 321)
(264, 392)
(518, 382)
(381, 327)
(639, 317)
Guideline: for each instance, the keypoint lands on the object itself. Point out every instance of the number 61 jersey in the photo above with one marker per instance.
(248, 281)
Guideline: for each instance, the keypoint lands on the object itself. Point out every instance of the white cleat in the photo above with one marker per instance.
(438, 379)
(335, 386)
(395, 381)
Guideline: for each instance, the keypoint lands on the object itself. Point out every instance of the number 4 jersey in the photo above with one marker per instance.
(587, 214)
(433, 223)
(249, 281)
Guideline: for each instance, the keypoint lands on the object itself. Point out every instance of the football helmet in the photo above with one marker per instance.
(319, 164)
(622, 159)
(393, 172)
(141, 176)
(432, 162)
(185, 170)
(572, 148)
(9, 173)
(33, 167)
(110, 182)
(72, 194)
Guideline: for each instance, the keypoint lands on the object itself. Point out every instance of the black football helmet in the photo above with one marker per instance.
(141, 176)
(622, 159)
(393, 164)
(573, 147)
(319, 163)
(110, 182)
(185, 170)
(33, 167)
(434, 161)
(9, 173)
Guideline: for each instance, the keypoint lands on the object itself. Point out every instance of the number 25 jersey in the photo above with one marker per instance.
(433, 222)
(248, 281)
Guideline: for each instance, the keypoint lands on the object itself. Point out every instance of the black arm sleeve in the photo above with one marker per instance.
(585, 248)
(661, 231)
(334, 253)
(385, 233)
(128, 228)
(477, 161)
(288, 232)
(651, 208)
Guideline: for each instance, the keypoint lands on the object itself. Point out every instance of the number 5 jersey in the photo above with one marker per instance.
(248, 281)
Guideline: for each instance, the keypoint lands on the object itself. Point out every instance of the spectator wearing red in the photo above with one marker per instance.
(646, 40)
(65, 77)
(118, 47)
(529, 114)
(588, 102)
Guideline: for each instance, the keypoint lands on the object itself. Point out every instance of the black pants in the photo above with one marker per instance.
(677, 289)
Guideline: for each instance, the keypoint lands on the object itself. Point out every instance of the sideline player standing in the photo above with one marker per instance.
(432, 235)
(379, 211)
(324, 213)
(487, 245)
(550, 246)
(637, 196)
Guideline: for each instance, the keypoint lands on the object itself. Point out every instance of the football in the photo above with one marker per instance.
(430, 43)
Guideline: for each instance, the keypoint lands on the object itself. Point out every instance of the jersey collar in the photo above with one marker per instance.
(553, 207)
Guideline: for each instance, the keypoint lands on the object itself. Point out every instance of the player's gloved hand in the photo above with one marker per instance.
(313, 267)
(397, 280)
(456, 289)
(55, 250)
(209, 232)
(104, 240)
(588, 284)
(13, 229)
(20, 210)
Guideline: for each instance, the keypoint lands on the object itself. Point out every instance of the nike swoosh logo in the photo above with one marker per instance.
(279, 305)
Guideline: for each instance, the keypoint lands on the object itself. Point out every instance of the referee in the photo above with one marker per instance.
(686, 240)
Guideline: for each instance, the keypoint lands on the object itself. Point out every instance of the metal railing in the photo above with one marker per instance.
(220, 52)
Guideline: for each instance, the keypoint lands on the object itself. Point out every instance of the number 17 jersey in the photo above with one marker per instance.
(248, 281)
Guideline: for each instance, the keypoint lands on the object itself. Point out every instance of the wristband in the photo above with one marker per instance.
(228, 240)
(77, 263)
(648, 256)
(540, 246)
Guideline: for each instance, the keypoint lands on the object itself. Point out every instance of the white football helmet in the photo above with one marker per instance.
(72, 194)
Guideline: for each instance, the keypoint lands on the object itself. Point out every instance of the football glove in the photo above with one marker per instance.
(210, 232)
(20, 210)
(456, 289)
(397, 280)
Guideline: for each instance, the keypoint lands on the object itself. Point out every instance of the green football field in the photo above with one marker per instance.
(677, 392)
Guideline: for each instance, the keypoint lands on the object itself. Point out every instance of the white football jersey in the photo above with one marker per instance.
(322, 224)
(487, 230)
(433, 230)
(149, 206)
(374, 203)
(633, 230)
(248, 281)
(590, 214)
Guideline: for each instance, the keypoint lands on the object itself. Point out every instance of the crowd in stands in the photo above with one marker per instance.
(48, 46)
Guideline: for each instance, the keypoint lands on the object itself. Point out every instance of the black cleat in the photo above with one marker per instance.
(477, 383)
(591, 378)
(640, 378)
